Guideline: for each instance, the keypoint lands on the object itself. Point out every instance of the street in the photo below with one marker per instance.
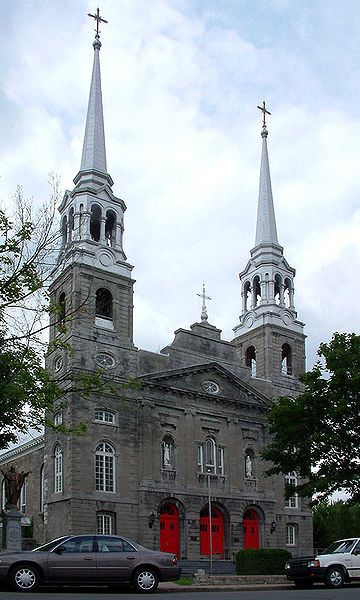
(317, 593)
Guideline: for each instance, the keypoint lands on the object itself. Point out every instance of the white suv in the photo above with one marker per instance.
(339, 563)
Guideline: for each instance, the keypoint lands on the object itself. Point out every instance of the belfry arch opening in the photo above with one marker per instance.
(95, 222)
(104, 304)
(256, 290)
(288, 293)
(110, 228)
(286, 360)
(277, 289)
(64, 230)
(250, 359)
(247, 292)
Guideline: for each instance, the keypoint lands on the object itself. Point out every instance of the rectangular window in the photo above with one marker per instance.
(221, 461)
(104, 473)
(200, 458)
(104, 416)
(291, 535)
(58, 418)
(291, 479)
(105, 524)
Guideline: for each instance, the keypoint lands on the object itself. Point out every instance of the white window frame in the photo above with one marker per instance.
(102, 415)
(58, 469)
(22, 499)
(58, 418)
(104, 467)
(42, 488)
(210, 457)
(291, 537)
(105, 523)
(293, 501)
(3, 496)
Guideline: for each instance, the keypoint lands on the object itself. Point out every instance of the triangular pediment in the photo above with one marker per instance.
(210, 380)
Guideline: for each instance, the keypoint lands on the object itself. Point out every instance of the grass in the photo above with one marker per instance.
(184, 581)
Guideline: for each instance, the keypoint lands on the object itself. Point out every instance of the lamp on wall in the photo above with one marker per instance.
(152, 518)
(272, 526)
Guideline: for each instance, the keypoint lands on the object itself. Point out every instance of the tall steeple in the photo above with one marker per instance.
(267, 291)
(92, 218)
(94, 152)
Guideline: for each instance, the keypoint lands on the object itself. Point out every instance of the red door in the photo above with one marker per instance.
(169, 529)
(251, 529)
(217, 533)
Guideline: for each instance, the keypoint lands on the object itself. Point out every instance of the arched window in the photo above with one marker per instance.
(62, 308)
(104, 304)
(277, 289)
(42, 489)
(64, 230)
(95, 222)
(247, 288)
(256, 290)
(58, 469)
(291, 535)
(249, 464)
(104, 468)
(286, 366)
(110, 228)
(71, 223)
(291, 479)
(250, 359)
(210, 457)
(168, 453)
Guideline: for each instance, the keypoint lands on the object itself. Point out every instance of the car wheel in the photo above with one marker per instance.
(24, 578)
(335, 577)
(303, 584)
(145, 581)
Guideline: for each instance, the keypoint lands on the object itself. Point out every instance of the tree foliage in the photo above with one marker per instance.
(334, 521)
(28, 250)
(317, 434)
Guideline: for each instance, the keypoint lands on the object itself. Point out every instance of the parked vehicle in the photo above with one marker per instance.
(88, 559)
(338, 564)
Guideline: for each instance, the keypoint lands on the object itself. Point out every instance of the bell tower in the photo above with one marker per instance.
(92, 281)
(269, 336)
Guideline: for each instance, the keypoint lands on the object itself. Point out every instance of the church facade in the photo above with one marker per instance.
(177, 453)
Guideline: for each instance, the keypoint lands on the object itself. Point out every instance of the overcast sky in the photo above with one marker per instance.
(181, 82)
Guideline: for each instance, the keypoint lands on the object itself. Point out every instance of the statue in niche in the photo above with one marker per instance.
(14, 480)
(167, 455)
(248, 466)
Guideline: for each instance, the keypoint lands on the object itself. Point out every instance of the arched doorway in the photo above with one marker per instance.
(251, 529)
(169, 529)
(217, 532)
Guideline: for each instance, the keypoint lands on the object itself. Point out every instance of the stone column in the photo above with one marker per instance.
(11, 530)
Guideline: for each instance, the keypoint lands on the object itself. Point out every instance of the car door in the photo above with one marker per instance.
(115, 558)
(73, 560)
(354, 571)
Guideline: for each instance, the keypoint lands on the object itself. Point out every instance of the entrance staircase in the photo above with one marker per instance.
(220, 567)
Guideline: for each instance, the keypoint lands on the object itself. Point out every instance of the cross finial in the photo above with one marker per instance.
(264, 112)
(204, 315)
(98, 20)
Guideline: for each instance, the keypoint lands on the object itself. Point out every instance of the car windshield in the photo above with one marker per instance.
(50, 545)
(339, 547)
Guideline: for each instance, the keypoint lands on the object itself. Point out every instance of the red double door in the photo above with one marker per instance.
(217, 531)
(169, 529)
(251, 529)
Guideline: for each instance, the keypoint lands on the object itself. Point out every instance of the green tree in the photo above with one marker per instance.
(28, 251)
(333, 521)
(317, 434)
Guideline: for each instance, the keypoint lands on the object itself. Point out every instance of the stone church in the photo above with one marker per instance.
(181, 448)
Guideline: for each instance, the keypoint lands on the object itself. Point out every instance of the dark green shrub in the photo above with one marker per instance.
(263, 561)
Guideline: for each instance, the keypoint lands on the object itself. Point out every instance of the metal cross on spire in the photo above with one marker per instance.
(204, 315)
(264, 112)
(98, 20)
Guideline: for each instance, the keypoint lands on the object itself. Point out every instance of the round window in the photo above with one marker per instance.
(58, 363)
(211, 387)
(105, 361)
